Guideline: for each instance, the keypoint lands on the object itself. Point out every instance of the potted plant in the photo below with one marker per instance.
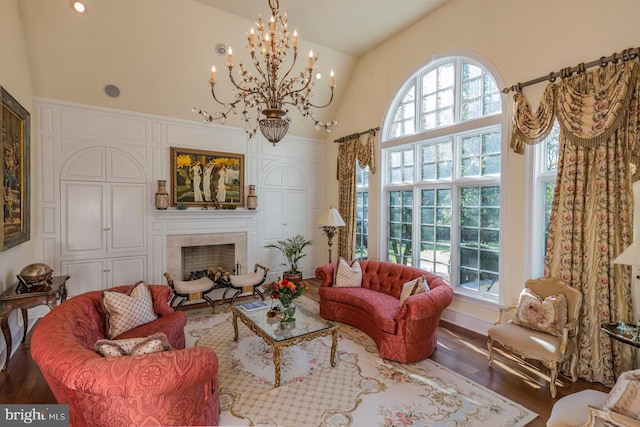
(292, 249)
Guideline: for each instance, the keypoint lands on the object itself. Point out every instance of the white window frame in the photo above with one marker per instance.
(539, 179)
(361, 188)
(472, 125)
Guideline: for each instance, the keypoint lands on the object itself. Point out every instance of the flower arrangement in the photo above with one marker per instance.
(286, 292)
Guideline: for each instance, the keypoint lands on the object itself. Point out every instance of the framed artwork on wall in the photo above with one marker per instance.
(15, 128)
(206, 178)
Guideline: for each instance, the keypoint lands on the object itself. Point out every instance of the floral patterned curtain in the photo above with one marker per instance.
(349, 152)
(592, 209)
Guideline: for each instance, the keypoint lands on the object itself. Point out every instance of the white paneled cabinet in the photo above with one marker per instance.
(102, 219)
(95, 274)
(103, 233)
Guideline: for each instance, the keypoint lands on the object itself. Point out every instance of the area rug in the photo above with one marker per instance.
(361, 390)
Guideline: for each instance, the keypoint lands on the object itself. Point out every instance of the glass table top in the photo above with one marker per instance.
(306, 323)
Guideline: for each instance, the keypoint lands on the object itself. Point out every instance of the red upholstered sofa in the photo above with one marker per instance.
(176, 387)
(404, 333)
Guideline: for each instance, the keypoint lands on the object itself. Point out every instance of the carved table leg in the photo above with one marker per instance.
(7, 338)
(25, 324)
(277, 358)
(235, 327)
(334, 346)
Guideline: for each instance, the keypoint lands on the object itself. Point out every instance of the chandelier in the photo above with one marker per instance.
(274, 85)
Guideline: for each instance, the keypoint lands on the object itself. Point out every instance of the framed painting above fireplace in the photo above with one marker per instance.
(206, 178)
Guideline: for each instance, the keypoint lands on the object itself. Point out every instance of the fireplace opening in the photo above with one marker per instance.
(196, 260)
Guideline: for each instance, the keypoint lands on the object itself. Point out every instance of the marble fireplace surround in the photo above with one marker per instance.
(175, 243)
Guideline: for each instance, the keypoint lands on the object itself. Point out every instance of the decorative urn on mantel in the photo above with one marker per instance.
(162, 197)
(252, 198)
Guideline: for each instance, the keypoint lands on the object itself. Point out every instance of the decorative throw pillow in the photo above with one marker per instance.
(133, 346)
(348, 274)
(548, 315)
(127, 311)
(624, 397)
(113, 348)
(413, 287)
(152, 344)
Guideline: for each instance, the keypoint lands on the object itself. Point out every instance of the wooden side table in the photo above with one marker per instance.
(10, 300)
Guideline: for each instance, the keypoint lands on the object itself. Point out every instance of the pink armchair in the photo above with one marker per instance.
(404, 333)
(177, 387)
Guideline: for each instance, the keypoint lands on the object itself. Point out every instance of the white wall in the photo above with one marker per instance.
(66, 129)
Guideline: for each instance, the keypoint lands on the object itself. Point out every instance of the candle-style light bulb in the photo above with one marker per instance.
(251, 36)
(213, 74)
(310, 58)
(331, 79)
(295, 39)
(230, 58)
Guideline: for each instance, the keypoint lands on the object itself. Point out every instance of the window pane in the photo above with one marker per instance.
(470, 71)
(435, 158)
(399, 234)
(435, 242)
(480, 94)
(400, 163)
(362, 213)
(479, 238)
(404, 115)
(551, 149)
(481, 154)
(446, 76)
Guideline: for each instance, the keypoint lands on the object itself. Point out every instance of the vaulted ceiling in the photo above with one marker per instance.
(348, 26)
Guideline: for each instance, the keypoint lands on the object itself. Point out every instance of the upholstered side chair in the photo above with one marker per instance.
(528, 343)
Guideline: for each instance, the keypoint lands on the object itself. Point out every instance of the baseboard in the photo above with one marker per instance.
(465, 321)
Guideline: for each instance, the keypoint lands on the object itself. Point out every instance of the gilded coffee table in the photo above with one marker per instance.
(308, 327)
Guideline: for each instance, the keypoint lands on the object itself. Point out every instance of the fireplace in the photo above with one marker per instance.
(196, 260)
(195, 252)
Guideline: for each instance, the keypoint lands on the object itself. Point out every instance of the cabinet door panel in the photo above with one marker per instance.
(126, 271)
(127, 218)
(85, 276)
(82, 218)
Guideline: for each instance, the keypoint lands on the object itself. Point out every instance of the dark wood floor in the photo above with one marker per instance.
(459, 349)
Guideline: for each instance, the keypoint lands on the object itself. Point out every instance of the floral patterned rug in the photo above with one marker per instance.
(362, 389)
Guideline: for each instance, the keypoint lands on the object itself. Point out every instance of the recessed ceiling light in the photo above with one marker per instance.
(78, 6)
(318, 76)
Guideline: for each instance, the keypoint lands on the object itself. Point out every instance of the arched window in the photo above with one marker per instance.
(442, 160)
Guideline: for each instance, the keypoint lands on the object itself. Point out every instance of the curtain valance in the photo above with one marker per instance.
(589, 107)
(353, 150)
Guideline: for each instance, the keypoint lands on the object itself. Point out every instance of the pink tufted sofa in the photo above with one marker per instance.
(404, 333)
(177, 387)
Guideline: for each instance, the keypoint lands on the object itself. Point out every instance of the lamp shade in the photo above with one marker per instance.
(630, 256)
(331, 218)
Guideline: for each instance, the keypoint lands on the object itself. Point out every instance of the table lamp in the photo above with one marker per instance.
(329, 221)
(630, 256)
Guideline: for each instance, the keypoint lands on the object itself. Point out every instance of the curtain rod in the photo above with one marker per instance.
(625, 55)
(357, 135)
